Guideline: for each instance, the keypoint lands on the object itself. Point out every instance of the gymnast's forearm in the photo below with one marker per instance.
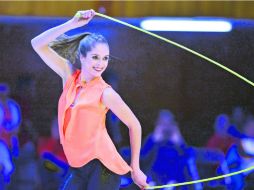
(49, 35)
(135, 133)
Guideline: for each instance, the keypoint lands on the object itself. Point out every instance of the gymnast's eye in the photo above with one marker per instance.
(95, 57)
(106, 58)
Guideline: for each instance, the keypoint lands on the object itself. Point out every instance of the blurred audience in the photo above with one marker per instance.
(26, 174)
(53, 163)
(237, 120)
(6, 165)
(221, 139)
(166, 157)
(241, 156)
(10, 119)
(51, 144)
(238, 117)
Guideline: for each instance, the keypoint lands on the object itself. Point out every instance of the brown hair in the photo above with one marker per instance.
(70, 47)
(67, 46)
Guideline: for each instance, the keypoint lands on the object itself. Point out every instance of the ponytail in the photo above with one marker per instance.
(67, 46)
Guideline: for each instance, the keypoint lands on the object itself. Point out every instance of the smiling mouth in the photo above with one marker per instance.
(97, 69)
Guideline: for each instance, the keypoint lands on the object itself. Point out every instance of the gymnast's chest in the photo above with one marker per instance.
(84, 97)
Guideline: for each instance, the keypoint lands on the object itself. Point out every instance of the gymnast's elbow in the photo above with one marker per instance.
(135, 124)
(37, 43)
(34, 43)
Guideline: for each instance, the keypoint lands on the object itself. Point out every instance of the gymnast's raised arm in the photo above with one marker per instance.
(41, 43)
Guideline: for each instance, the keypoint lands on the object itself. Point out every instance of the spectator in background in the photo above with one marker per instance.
(238, 117)
(52, 144)
(221, 139)
(241, 156)
(53, 163)
(247, 143)
(237, 121)
(26, 173)
(224, 138)
(10, 119)
(165, 155)
(6, 165)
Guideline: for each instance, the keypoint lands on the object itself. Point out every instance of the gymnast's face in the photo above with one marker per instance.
(96, 60)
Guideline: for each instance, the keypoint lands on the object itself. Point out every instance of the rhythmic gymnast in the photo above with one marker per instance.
(94, 161)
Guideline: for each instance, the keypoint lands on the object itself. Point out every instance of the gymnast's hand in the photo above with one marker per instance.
(139, 178)
(82, 18)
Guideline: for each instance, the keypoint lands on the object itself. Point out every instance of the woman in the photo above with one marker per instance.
(82, 108)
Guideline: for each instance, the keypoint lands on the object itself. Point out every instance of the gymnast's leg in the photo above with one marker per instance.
(103, 178)
(76, 180)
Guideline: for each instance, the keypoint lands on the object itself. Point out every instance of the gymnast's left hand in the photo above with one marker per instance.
(139, 178)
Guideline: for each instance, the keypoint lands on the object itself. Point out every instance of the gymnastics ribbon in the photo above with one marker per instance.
(203, 57)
